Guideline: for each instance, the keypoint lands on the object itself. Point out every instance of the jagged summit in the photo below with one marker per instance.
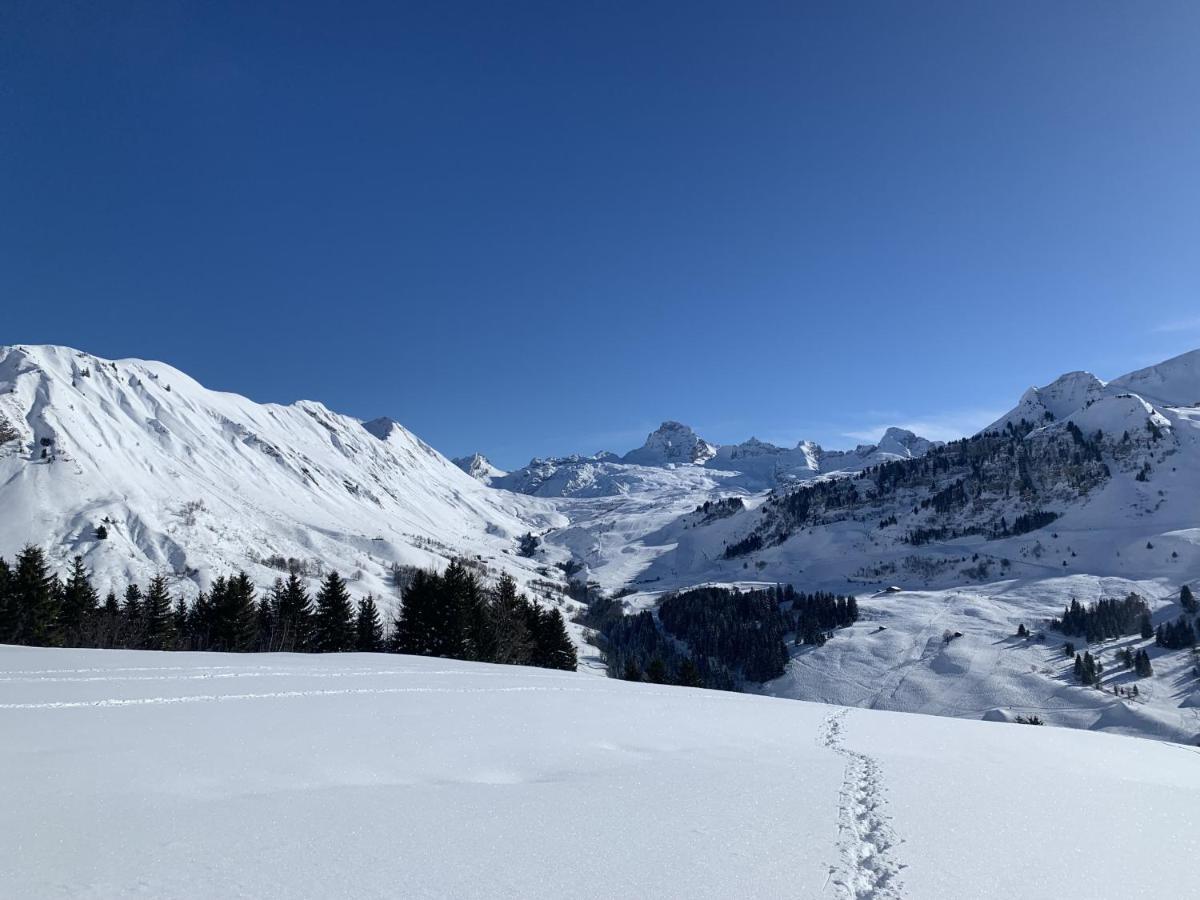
(901, 442)
(479, 467)
(1054, 401)
(672, 443)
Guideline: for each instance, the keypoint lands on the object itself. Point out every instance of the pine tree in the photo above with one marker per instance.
(334, 618)
(295, 612)
(1078, 668)
(180, 621)
(632, 672)
(368, 627)
(79, 602)
(1187, 600)
(512, 641)
(132, 625)
(108, 630)
(1022, 631)
(230, 615)
(157, 616)
(689, 675)
(36, 600)
(460, 595)
(8, 612)
(553, 648)
(201, 618)
(265, 618)
(656, 672)
(1144, 626)
(415, 626)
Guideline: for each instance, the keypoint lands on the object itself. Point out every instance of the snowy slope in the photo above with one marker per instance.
(203, 775)
(196, 483)
(1129, 522)
(626, 511)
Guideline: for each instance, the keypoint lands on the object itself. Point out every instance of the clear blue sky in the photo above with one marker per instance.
(538, 228)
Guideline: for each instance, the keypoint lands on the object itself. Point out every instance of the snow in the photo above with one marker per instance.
(672, 443)
(200, 775)
(197, 483)
(1175, 382)
(479, 467)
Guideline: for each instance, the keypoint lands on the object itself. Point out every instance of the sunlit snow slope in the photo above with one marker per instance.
(194, 482)
(204, 775)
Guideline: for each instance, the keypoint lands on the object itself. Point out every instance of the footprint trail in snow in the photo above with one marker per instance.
(869, 869)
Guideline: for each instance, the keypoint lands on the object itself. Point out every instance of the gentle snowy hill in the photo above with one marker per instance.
(1175, 382)
(197, 483)
(202, 775)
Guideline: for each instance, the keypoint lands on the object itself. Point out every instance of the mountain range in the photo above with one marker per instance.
(1086, 489)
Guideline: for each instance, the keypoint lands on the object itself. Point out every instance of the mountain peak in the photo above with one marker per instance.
(902, 442)
(672, 443)
(479, 467)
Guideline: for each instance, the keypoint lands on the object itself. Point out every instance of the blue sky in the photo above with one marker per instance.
(536, 228)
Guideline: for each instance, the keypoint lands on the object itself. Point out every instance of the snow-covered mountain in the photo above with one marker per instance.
(479, 467)
(1086, 489)
(197, 483)
(753, 465)
(671, 444)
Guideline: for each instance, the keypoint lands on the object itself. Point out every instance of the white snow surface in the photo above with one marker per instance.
(478, 467)
(275, 776)
(197, 483)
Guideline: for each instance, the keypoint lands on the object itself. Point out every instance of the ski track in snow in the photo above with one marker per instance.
(869, 868)
(274, 695)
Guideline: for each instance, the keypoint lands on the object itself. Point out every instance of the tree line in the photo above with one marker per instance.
(715, 637)
(1105, 619)
(449, 614)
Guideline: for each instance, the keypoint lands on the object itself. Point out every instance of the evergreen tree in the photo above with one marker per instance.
(265, 619)
(179, 624)
(512, 641)
(632, 672)
(1141, 665)
(232, 615)
(460, 595)
(1187, 600)
(35, 600)
(688, 675)
(416, 624)
(657, 672)
(333, 630)
(108, 622)
(295, 612)
(132, 624)
(79, 602)
(201, 618)
(8, 611)
(368, 627)
(1144, 626)
(553, 648)
(157, 620)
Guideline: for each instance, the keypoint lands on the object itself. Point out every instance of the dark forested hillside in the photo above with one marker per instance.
(995, 485)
